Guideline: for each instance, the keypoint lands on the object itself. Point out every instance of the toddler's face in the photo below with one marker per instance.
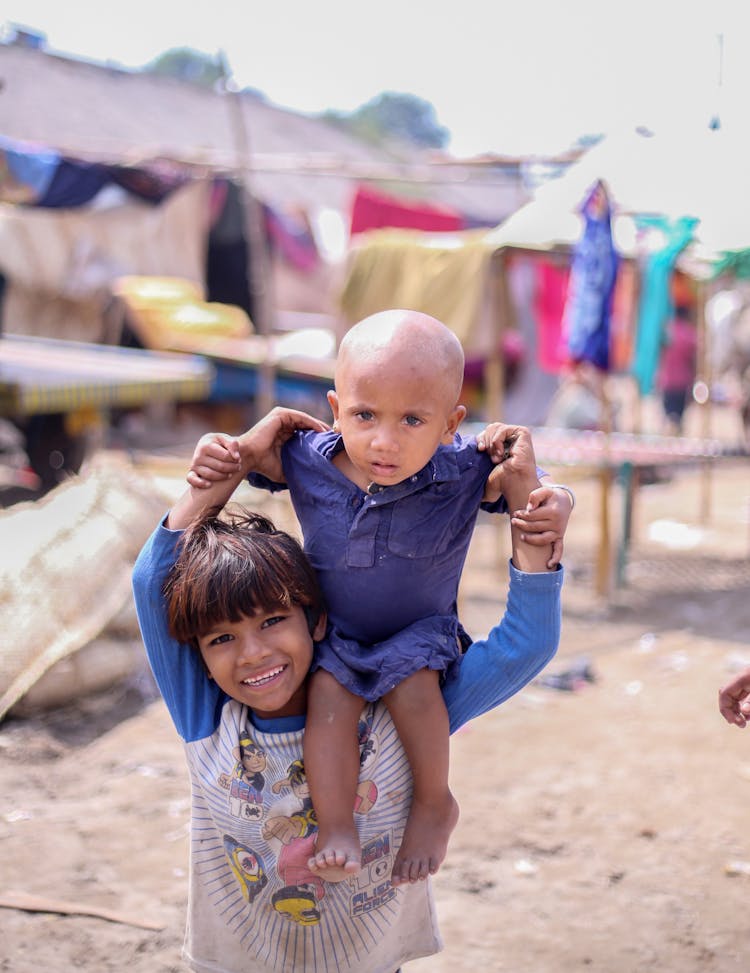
(392, 414)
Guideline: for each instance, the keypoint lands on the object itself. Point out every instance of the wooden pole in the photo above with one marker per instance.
(703, 382)
(494, 368)
(259, 264)
(604, 560)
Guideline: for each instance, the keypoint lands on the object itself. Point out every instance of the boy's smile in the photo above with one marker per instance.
(262, 660)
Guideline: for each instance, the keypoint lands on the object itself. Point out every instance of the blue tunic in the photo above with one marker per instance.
(389, 563)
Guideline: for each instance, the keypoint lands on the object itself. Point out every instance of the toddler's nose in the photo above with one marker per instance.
(385, 440)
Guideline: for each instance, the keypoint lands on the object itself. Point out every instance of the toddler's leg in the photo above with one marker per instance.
(331, 758)
(421, 719)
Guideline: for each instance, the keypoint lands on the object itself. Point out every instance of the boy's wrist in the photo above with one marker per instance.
(248, 455)
(565, 489)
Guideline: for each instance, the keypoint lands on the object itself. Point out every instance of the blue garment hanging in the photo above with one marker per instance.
(33, 168)
(593, 274)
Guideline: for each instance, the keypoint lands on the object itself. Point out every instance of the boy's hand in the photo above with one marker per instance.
(734, 699)
(544, 520)
(216, 457)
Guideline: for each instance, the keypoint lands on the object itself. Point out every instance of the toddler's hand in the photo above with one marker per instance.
(497, 439)
(216, 457)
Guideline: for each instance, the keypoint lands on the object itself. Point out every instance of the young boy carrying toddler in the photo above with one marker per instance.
(387, 503)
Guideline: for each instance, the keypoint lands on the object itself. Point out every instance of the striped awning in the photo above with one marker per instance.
(44, 375)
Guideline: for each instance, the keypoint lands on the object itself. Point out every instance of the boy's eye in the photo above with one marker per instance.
(413, 421)
(272, 620)
(220, 639)
(365, 415)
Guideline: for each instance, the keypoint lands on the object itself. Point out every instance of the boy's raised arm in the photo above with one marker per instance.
(197, 500)
(221, 462)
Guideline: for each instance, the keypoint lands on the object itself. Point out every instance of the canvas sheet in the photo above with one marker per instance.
(60, 264)
(446, 277)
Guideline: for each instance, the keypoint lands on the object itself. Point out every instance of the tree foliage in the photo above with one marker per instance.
(392, 115)
(186, 64)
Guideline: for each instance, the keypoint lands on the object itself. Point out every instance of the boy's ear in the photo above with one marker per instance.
(320, 627)
(453, 422)
(333, 401)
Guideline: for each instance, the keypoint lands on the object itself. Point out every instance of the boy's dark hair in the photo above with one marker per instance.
(236, 565)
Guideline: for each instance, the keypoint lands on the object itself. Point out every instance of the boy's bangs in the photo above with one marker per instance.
(235, 587)
(229, 570)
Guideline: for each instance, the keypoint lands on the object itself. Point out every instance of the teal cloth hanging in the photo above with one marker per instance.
(655, 305)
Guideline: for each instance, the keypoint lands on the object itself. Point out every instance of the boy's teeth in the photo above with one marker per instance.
(264, 678)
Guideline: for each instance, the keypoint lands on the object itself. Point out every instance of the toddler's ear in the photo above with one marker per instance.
(333, 401)
(452, 423)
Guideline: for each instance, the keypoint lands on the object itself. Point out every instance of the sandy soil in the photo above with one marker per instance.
(603, 828)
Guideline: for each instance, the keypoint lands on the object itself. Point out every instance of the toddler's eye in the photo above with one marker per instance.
(365, 415)
(413, 421)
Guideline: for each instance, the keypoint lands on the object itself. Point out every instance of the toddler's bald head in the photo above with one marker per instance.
(410, 336)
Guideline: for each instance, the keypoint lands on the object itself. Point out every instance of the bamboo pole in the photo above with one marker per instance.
(604, 557)
(259, 265)
(494, 369)
(703, 382)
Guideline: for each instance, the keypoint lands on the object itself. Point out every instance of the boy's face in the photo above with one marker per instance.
(263, 660)
(393, 413)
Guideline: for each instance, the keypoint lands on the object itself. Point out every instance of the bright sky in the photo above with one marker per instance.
(506, 76)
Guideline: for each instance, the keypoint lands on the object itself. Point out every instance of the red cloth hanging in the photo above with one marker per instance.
(549, 304)
(372, 210)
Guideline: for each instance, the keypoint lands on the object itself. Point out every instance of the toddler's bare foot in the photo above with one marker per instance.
(425, 843)
(338, 855)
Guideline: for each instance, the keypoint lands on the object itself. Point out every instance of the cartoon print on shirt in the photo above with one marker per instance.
(245, 784)
(367, 741)
(371, 887)
(248, 867)
(297, 903)
(295, 833)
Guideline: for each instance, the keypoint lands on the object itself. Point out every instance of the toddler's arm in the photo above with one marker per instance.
(544, 518)
(219, 456)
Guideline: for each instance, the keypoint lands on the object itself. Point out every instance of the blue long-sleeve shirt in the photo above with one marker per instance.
(253, 903)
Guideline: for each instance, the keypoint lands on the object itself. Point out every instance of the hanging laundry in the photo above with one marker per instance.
(552, 281)
(655, 306)
(292, 237)
(74, 184)
(36, 176)
(592, 279)
(25, 171)
(152, 183)
(372, 210)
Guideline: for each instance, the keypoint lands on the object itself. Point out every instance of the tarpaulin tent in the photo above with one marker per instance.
(697, 176)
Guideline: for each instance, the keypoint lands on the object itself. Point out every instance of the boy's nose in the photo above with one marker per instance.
(253, 649)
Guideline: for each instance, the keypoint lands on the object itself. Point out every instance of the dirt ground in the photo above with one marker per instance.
(603, 827)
